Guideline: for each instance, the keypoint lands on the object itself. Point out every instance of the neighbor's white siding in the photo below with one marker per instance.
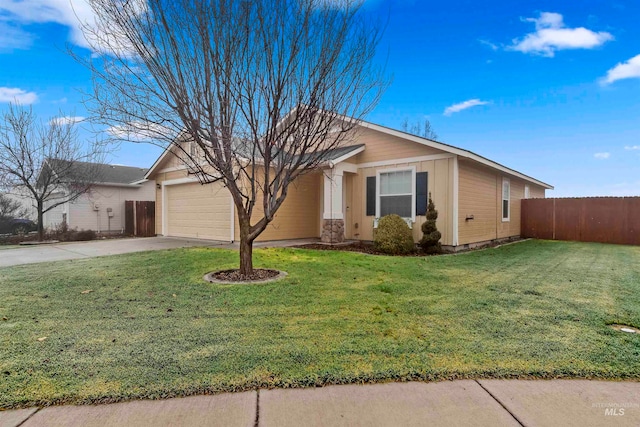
(83, 216)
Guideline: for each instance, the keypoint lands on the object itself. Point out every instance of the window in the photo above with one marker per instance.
(192, 149)
(527, 192)
(506, 198)
(396, 193)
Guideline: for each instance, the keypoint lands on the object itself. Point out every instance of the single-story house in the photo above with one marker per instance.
(383, 171)
(102, 208)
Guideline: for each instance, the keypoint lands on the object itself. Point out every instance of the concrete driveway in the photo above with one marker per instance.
(79, 250)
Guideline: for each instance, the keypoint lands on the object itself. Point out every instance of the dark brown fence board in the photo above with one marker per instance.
(589, 219)
(632, 214)
(128, 218)
(535, 219)
(140, 221)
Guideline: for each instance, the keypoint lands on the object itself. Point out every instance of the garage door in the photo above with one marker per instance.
(198, 211)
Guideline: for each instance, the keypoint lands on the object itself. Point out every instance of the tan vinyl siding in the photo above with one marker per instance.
(198, 211)
(158, 211)
(480, 196)
(476, 197)
(299, 215)
(440, 181)
(380, 146)
(536, 192)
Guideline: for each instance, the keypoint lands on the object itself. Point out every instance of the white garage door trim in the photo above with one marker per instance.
(165, 206)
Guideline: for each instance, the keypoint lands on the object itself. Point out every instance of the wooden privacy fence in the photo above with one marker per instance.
(140, 218)
(590, 219)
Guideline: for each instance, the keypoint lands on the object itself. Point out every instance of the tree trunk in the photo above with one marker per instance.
(246, 246)
(246, 256)
(40, 222)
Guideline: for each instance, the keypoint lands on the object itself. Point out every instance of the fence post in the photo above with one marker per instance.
(553, 227)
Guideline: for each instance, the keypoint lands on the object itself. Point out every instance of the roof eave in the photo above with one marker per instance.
(346, 156)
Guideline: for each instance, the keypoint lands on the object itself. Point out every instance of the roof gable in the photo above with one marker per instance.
(453, 150)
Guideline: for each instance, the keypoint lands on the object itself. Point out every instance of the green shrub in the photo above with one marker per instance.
(394, 236)
(430, 242)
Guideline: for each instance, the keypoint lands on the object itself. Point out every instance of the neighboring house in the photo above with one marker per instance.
(102, 208)
(384, 171)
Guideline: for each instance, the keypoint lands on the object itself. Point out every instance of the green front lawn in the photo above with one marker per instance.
(150, 327)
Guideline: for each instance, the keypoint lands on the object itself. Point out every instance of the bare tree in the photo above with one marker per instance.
(42, 160)
(11, 208)
(249, 93)
(418, 128)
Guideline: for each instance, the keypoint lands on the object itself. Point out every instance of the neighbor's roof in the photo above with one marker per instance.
(103, 173)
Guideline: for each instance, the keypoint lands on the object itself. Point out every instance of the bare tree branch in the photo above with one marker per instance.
(262, 90)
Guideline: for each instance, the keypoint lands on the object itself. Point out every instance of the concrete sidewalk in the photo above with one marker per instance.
(79, 250)
(460, 403)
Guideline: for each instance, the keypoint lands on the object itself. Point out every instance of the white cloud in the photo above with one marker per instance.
(489, 44)
(12, 37)
(17, 95)
(138, 131)
(70, 13)
(552, 35)
(67, 120)
(455, 108)
(632, 147)
(624, 70)
(74, 14)
(602, 156)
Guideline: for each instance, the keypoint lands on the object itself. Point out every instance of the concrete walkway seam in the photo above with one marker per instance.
(501, 404)
(27, 419)
(257, 422)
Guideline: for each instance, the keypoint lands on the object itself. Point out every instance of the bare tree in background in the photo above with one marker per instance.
(11, 208)
(252, 94)
(420, 129)
(41, 160)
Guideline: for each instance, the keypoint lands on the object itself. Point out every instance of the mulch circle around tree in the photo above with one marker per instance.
(260, 275)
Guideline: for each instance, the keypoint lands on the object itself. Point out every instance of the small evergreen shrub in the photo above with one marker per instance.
(393, 236)
(430, 242)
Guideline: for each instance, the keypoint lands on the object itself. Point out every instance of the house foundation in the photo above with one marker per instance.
(332, 231)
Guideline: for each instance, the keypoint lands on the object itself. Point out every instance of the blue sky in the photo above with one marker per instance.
(550, 88)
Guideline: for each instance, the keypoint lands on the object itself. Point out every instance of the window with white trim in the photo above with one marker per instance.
(396, 194)
(506, 199)
(527, 192)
